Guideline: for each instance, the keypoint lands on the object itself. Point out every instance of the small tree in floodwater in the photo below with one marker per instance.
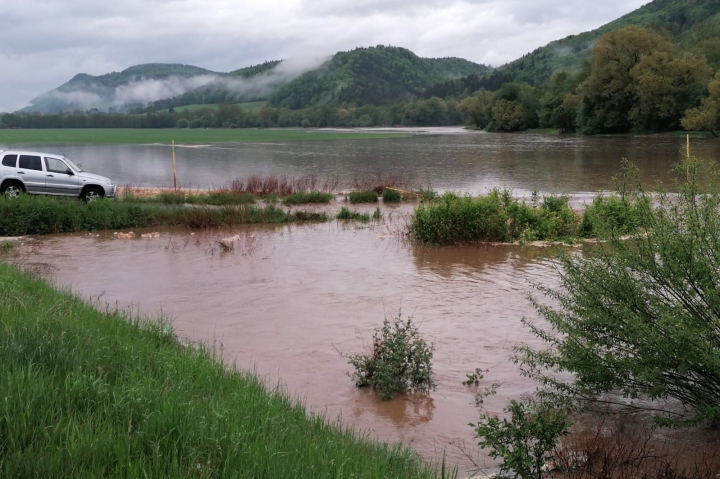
(400, 360)
(641, 317)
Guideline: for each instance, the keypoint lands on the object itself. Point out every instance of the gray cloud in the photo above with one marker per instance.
(46, 42)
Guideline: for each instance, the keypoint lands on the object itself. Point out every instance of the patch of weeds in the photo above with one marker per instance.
(311, 197)
(400, 360)
(346, 214)
(428, 195)
(6, 246)
(391, 196)
(271, 198)
(368, 196)
(302, 215)
(377, 215)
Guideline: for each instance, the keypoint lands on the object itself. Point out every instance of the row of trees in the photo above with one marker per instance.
(635, 80)
(418, 112)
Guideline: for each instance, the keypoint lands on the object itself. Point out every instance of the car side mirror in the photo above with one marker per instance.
(70, 172)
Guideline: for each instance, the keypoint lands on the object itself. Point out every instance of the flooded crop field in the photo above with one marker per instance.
(440, 158)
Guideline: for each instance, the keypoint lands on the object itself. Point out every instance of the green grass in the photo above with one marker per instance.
(37, 215)
(391, 196)
(311, 197)
(110, 136)
(363, 197)
(216, 198)
(87, 394)
(346, 214)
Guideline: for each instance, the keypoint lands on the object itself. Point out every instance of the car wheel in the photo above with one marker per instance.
(12, 191)
(92, 194)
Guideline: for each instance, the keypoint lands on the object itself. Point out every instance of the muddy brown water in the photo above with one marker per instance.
(288, 298)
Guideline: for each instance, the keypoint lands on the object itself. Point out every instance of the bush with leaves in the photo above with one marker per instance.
(641, 317)
(400, 360)
(525, 441)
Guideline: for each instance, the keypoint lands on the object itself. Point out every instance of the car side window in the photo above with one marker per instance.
(10, 160)
(30, 162)
(53, 165)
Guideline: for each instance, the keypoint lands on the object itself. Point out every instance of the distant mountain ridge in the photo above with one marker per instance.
(114, 91)
(372, 75)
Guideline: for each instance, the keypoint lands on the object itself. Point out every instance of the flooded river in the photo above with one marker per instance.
(289, 299)
(446, 159)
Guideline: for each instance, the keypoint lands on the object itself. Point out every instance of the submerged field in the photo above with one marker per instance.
(100, 136)
(93, 394)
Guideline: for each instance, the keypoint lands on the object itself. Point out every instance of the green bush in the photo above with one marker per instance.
(496, 216)
(391, 196)
(526, 441)
(614, 214)
(640, 317)
(346, 214)
(400, 360)
(310, 197)
(369, 196)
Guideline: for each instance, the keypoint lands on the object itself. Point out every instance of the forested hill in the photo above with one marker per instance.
(371, 76)
(246, 84)
(120, 90)
(375, 76)
(694, 25)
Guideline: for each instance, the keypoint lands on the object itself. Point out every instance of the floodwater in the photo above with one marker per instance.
(441, 158)
(288, 299)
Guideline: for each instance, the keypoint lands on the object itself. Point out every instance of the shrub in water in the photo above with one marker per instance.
(400, 360)
(363, 197)
(496, 216)
(391, 196)
(526, 440)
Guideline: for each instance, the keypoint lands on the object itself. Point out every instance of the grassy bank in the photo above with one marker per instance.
(91, 394)
(37, 215)
(81, 136)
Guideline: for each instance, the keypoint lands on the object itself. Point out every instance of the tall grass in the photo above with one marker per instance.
(346, 214)
(368, 196)
(216, 198)
(309, 197)
(495, 217)
(90, 394)
(37, 215)
(391, 196)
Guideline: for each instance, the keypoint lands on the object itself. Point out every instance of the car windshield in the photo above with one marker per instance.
(73, 165)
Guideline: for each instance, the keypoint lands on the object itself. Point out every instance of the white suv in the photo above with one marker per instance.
(48, 174)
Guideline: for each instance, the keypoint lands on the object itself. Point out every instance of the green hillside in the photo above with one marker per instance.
(374, 76)
(114, 91)
(694, 25)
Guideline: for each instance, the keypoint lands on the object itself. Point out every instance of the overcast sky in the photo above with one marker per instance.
(44, 43)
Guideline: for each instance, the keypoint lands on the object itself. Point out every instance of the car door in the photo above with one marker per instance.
(30, 169)
(59, 178)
